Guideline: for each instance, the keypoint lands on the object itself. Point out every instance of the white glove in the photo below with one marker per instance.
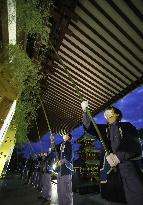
(84, 105)
(112, 160)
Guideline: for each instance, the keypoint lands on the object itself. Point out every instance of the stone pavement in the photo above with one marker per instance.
(14, 192)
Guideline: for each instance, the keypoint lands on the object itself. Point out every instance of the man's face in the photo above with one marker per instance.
(66, 138)
(45, 154)
(111, 116)
(112, 119)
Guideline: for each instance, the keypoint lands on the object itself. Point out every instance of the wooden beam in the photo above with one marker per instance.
(4, 36)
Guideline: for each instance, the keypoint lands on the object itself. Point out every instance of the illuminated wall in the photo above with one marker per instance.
(7, 135)
(6, 148)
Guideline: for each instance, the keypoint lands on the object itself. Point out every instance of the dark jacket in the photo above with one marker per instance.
(122, 140)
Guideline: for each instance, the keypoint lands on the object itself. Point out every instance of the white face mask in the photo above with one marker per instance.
(64, 137)
(109, 113)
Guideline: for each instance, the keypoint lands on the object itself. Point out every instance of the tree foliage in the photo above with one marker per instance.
(32, 19)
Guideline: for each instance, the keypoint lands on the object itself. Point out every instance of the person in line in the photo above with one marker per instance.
(64, 179)
(125, 150)
(46, 177)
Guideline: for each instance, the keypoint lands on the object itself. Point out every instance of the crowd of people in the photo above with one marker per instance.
(121, 176)
(38, 170)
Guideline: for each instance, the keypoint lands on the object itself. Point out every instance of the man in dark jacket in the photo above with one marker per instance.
(64, 180)
(125, 150)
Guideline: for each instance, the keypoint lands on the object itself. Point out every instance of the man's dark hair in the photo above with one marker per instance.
(117, 111)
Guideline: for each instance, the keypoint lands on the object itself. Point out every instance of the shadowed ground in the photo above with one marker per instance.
(14, 192)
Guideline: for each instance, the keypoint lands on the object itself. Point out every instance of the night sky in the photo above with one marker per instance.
(131, 106)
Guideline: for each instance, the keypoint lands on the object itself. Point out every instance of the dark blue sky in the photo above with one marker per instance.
(131, 106)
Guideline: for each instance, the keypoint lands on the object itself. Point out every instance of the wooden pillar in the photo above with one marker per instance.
(5, 105)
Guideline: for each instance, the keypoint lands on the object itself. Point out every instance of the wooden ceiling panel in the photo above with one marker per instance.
(102, 48)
